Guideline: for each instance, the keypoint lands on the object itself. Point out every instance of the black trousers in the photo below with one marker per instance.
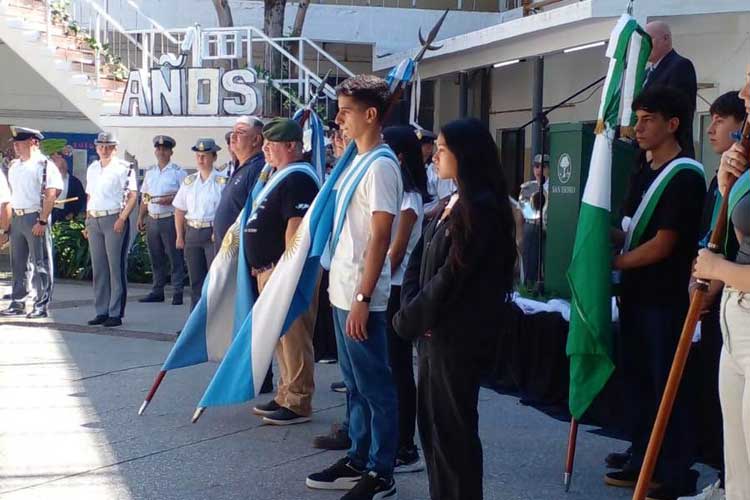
(401, 358)
(649, 339)
(324, 336)
(448, 394)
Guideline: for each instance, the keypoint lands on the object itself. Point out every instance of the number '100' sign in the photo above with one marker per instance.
(191, 92)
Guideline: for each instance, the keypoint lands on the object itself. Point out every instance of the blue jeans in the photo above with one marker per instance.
(371, 394)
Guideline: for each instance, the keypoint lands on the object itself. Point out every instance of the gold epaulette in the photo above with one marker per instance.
(221, 179)
(190, 179)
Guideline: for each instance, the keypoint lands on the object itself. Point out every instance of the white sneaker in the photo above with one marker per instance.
(710, 492)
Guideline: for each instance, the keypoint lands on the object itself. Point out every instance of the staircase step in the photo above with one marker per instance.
(75, 55)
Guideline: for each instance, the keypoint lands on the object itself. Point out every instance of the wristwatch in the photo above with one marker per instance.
(41, 222)
(361, 297)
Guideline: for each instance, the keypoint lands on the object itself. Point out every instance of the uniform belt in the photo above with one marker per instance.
(161, 216)
(200, 224)
(102, 213)
(24, 211)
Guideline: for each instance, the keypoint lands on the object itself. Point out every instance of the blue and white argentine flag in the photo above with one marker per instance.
(317, 141)
(291, 287)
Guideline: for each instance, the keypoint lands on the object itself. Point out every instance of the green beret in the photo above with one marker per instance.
(282, 130)
(52, 146)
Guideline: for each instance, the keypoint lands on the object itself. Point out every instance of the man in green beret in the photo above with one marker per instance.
(269, 233)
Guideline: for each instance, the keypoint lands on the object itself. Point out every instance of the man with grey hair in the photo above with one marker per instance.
(246, 143)
(668, 68)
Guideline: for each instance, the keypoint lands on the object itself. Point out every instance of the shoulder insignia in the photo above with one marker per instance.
(221, 179)
(190, 179)
(222, 168)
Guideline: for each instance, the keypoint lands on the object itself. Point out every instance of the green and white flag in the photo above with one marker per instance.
(589, 344)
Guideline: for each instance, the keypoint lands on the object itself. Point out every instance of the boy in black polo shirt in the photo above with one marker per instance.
(662, 211)
(269, 232)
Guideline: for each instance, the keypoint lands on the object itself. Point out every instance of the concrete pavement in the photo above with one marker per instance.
(69, 428)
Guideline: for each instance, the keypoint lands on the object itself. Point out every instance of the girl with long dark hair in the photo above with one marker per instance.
(403, 141)
(455, 289)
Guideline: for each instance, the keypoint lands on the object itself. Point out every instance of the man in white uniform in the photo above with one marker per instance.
(35, 183)
(156, 217)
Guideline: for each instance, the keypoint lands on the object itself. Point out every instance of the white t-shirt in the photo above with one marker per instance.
(412, 201)
(25, 180)
(380, 190)
(106, 186)
(437, 188)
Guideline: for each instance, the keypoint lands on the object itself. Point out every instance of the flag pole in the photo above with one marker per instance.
(683, 348)
(154, 387)
(571, 455)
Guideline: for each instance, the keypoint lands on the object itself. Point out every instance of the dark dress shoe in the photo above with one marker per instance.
(109, 322)
(177, 299)
(617, 460)
(13, 311)
(151, 297)
(8, 296)
(36, 314)
(99, 320)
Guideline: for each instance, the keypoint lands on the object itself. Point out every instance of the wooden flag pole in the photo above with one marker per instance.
(571, 455)
(683, 349)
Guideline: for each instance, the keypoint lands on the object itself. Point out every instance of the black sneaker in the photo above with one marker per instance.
(337, 439)
(267, 408)
(151, 297)
(407, 460)
(340, 476)
(285, 416)
(338, 387)
(112, 321)
(99, 320)
(177, 299)
(14, 311)
(372, 487)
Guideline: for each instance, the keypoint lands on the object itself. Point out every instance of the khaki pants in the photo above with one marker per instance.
(734, 391)
(296, 358)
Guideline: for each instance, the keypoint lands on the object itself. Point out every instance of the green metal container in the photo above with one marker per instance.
(570, 155)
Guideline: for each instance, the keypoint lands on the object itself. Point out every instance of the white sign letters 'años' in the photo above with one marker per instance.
(191, 92)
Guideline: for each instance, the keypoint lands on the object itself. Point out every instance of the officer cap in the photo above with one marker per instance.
(164, 140)
(282, 130)
(538, 159)
(106, 139)
(206, 146)
(23, 133)
(425, 136)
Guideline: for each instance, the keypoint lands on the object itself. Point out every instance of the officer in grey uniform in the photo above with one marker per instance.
(529, 201)
(35, 183)
(111, 187)
(156, 216)
(195, 206)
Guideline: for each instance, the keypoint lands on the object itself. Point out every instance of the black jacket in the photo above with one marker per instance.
(454, 306)
(75, 189)
(678, 72)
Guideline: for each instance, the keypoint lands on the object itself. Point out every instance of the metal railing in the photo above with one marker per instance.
(462, 5)
(292, 66)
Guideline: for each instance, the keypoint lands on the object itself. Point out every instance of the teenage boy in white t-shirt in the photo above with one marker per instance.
(360, 282)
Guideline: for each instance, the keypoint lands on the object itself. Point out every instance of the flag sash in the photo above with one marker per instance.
(348, 187)
(651, 199)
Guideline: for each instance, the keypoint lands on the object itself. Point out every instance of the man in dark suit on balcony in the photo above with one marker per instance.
(668, 68)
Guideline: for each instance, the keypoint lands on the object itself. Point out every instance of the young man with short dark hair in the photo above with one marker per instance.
(662, 212)
(368, 202)
(727, 116)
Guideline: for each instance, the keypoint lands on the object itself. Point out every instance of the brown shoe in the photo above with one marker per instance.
(626, 478)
